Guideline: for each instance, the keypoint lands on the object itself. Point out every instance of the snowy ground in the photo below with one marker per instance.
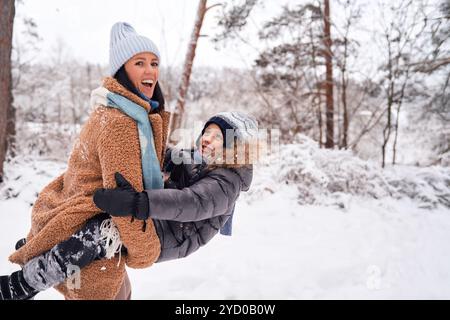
(372, 249)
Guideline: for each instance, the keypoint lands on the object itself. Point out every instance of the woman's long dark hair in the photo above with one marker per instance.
(122, 77)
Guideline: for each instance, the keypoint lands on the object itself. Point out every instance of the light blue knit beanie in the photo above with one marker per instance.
(125, 43)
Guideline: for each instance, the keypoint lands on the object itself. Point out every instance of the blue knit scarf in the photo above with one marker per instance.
(149, 161)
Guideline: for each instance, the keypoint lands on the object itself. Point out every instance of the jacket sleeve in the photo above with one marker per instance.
(119, 151)
(211, 196)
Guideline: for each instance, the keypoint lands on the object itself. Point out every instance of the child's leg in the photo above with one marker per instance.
(14, 287)
(54, 266)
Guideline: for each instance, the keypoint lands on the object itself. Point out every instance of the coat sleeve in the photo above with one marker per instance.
(211, 196)
(119, 151)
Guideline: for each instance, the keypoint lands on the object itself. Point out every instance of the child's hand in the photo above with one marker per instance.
(122, 201)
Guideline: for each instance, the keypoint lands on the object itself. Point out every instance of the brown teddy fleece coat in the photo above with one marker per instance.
(108, 143)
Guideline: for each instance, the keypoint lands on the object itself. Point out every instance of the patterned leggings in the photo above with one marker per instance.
(57, 264)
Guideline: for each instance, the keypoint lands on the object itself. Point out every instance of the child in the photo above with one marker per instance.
(199, 202)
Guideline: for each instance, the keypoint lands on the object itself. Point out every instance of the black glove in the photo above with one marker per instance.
(122, 201)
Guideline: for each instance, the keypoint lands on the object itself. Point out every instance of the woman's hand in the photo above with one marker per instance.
(122, 201)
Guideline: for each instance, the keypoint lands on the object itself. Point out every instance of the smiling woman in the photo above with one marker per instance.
(143, 71)
(127, 127)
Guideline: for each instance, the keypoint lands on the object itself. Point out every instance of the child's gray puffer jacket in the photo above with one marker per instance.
(200, 210)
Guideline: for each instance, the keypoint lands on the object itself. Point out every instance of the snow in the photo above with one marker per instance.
(335, 243)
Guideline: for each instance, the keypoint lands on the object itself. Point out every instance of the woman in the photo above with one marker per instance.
(186, 217)
(116, 138)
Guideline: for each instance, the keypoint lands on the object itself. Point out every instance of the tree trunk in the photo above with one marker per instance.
(386, 135)
(178, 114)
(7, 12)
(399, 105)
(345, 111)
(387, 128)
(317, 97)
(329, 77)
(390, 102)
(11, 130)
(319, 120)
(338, 112)
(344, 96)
(394, 147)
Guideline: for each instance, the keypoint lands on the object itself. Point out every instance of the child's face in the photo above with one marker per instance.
(211, 144)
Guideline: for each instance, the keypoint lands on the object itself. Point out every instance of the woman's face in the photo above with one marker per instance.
(143, 72)
(212, 142)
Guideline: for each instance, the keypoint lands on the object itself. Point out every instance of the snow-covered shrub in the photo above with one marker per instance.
(331, 177)
(430, 186)
(319, 173)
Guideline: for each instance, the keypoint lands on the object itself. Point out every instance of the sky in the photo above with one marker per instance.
(84, 28)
